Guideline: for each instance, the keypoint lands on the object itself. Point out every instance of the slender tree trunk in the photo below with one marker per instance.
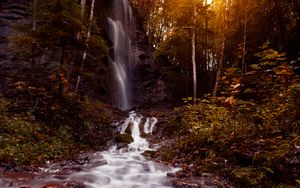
(87, 40)
(194, 56)
(206, 39)
(34, 4)
(33, 43)
(82, 6)
(34, 15)
(244, 66)
(222, 55)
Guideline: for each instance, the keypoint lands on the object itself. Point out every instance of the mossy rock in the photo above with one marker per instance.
(150, 153)
(128, 129)
(124, 138)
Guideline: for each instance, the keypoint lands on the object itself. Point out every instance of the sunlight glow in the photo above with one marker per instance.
(209, 2)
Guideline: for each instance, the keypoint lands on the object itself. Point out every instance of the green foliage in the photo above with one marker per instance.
(52, 50)
(271, 75)
(3, 104)
(231, 82)
(249, 176)
(251, 132)
(249, 142)
(24, 142)
(36, 127)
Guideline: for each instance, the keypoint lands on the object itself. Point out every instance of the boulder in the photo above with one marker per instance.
(124, 138)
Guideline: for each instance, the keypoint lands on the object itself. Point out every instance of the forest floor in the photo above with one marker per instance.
(215, 144)
(36, 128)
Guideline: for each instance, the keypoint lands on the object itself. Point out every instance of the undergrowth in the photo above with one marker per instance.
(38, 128)
(252, 143)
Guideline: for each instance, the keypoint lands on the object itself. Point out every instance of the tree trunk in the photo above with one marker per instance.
(206, 39)
(33, 43)
(34, 15)
(82, 6)
(194, 56)
(85, 51)
(244, 67)
(222, 55)
(34, 4)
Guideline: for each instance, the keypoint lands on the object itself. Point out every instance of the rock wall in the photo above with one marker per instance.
(11, 12)
(148, 87)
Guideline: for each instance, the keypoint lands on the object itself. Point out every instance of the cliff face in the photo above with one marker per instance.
(147, 87)
(10, 12)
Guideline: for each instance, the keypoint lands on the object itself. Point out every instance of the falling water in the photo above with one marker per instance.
(114, 168)
(120, 31)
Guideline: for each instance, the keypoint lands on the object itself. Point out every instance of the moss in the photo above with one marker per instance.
(249, 177)
(24, 142)
(151, 154)
(55, 128)
(168, 155)
(124, 138)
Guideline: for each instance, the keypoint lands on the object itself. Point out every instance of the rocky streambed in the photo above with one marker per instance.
(121, 165)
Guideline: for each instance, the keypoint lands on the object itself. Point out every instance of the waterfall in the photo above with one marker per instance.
(120, 27)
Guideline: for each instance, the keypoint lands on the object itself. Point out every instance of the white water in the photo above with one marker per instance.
(120, 31)
(127, 168)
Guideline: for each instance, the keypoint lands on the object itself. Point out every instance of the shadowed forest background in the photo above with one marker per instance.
(230, 67)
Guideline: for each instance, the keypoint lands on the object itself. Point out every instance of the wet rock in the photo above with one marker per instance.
(75, 184)
(52, 185)
(199, 183)
(97, 163)
(85, 178)
(7, 183)
(122, 146)
(124, 138)
(172, 175)
(97, 134)
(206, 180)
(149, 153)
(24, 186)
(82, 161)
(181, 174)
(184, 183)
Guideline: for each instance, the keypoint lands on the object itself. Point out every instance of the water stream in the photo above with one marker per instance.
(127, 167)
(117, 167)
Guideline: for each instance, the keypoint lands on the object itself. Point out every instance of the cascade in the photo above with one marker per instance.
(128, 168)
(114, 168)
(120, 27)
